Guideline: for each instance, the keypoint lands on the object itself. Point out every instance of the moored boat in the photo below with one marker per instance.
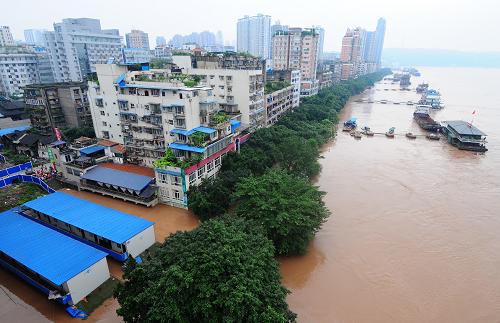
(350, 124)
(356, 134)
(423, 119)
(367, 132)
(433, 136)
(390, 132)
(465, 136)
(411, 135)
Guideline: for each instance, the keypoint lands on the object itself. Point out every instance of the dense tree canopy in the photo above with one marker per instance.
(291, 144)
(289, 209)
(223, 271)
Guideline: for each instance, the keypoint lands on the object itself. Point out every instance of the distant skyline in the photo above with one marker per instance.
(455, 25)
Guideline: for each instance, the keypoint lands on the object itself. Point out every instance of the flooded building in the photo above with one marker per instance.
(118, 234)
(63, 268)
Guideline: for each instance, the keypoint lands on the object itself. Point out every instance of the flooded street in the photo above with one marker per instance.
(27, 304)
(414, 234)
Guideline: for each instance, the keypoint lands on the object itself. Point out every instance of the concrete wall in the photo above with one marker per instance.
(140, 242)
(85, 282)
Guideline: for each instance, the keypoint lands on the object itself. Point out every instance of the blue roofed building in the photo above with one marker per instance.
(118, 234)
(63, 268)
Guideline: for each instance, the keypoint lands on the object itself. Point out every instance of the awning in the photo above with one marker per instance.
(91, 149)
(187, 147)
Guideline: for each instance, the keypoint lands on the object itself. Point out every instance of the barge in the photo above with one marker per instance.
(423, 119)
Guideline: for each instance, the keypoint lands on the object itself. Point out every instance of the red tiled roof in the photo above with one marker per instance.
(107, 143)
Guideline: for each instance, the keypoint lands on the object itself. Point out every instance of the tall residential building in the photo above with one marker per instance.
(137, 39)
(204, 39)
(6, 38)
(352, 53)
(76, 45)
(297, 49)
(379, 40)
(321, 31)
(254, 35)
(57, 105)
(18, 68)
(163, 52)
(34, 37)
(136, 55)
(237, 82)
(161, 41)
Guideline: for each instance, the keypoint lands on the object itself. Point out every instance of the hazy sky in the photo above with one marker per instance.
(445, 24)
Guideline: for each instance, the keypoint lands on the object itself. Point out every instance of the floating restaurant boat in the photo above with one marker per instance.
(465, 136)
(433, 136)
(411, 135)
(356, 134)
(350, 124)
(424, 120)
(390, 132)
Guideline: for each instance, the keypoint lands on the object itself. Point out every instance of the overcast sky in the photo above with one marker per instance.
(444, 24)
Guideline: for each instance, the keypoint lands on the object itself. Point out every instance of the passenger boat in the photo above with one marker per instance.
(422, 87)
(409, 103)
(411, 135)
(433, 136)
(350, 124)
(390, 132)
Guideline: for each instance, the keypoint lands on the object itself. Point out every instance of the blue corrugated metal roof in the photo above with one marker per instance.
(8, 131)
(47, 252)
(204, 130)
(91, 149)
(117, 177)
(180, 131)
(187, 147)
(97, 219)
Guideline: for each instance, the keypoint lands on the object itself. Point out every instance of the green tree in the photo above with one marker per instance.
(289, 208)
(223, 271)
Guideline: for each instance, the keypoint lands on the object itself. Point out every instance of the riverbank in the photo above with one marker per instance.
(414, 232)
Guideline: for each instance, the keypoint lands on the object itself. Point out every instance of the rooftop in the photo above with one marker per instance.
(465, 128)
(49, 253)
(8, 131)
(119, 178)
(94, 218)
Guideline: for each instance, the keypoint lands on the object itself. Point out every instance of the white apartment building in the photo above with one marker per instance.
(162, 52)
(77, 45)
(18, 68)
(295, 49)
(6, 38)
(239, 88)
(278, 103)
(254, 35)
(152, 110)
(34, 37)
(136, 55)
(137, 39)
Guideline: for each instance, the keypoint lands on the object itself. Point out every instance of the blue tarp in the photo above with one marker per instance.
(8, 131)
(118, 178)
(190, 132)
(58, 143)
(187, 147)
(91, 149)
(94, 218)
(47, 252)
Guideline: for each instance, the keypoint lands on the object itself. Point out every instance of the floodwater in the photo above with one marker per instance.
(27, 304)
(414, 234)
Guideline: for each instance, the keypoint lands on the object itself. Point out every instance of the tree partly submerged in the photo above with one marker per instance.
(223, 271)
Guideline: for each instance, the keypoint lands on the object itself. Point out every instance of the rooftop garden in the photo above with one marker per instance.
(187, 80)
(275, 86)
(199, 139)
(219, 118)
(171, 160)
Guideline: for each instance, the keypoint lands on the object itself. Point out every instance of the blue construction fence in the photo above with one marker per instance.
(9, 175)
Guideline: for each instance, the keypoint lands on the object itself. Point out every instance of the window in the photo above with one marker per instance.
(176, 180)
(201, 171)
(221, 78)
(102, 113)
(210, 166)
(163, 178)
(217, 161)
(177, 195)
(192, 178)
(171, 122)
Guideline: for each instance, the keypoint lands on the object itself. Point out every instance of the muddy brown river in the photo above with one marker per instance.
(414, 234)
